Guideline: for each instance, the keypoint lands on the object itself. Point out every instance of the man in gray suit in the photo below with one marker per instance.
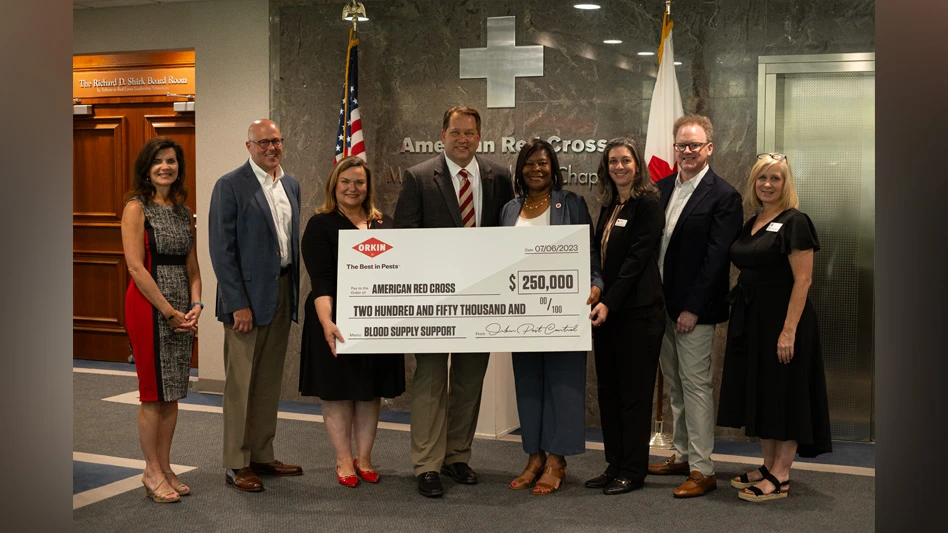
(253, 235)
(456, 189)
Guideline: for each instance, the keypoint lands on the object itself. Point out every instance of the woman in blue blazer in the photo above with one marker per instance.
(551, 386)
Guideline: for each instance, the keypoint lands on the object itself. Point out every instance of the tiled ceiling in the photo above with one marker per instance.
(98, 4)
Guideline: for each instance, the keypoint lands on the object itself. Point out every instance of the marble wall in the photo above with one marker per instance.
(409, 74)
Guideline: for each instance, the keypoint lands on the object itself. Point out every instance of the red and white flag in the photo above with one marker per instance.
(349, 135)
(665, 109)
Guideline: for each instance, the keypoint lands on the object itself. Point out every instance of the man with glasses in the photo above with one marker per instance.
(253, 235)
(703, 217)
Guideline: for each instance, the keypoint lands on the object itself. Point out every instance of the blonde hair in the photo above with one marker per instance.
(788, 199)
(368, 205)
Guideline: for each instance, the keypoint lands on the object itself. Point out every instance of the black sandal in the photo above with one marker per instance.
(743, 482)
(759, 496)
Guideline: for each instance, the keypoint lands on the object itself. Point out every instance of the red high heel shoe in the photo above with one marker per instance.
(366, 475)
(347, 481)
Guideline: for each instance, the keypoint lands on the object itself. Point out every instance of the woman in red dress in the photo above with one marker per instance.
(162, 304)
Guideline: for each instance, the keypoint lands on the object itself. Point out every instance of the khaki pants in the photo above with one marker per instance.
(686, 366)
(443, 423)
(253, 365)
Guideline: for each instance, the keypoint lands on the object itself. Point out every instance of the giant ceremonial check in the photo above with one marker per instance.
(464, 290)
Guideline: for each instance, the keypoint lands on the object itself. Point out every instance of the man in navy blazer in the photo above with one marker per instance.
(703, 217)
(253, 235)
(442, 427)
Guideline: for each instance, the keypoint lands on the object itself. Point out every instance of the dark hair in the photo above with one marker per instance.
(368, 205)
(641, 183)
(461, 110)
(142, 186)
(532, 146)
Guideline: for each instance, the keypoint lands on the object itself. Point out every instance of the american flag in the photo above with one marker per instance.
(349, 136)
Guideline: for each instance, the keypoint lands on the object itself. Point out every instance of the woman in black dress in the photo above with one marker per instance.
(630, 316)
(350, 386)
(773, 383)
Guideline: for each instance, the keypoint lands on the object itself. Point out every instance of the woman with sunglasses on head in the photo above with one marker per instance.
(773, 383)
(550, 386)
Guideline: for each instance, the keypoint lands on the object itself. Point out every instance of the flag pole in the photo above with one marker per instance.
(660, 439)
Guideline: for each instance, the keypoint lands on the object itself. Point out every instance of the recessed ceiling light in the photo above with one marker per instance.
(645, 53)
(586, 6)
(612, 41)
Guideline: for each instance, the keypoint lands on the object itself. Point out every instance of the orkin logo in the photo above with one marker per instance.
(372, 247)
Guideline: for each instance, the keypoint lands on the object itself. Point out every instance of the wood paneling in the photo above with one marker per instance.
(99, 300)
(105, 145)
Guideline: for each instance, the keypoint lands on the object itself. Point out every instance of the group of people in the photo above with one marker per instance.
(660, 257)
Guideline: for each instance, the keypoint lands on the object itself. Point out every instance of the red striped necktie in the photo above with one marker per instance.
(466, 201)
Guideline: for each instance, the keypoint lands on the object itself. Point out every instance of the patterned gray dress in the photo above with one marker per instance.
(162, 357)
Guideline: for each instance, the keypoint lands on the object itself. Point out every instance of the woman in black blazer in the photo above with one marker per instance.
(630, 315)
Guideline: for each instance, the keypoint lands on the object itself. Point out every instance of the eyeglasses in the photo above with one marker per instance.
(265, 143)
(538, 164)
(694, 147)
(772, 155)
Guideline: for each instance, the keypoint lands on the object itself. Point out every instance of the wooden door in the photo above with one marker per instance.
(105, 145)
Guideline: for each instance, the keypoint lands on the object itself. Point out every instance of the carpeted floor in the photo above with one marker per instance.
(819, 501)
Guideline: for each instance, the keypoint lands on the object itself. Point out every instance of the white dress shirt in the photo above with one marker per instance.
(676, 204)
(473, 174)
(280, 208)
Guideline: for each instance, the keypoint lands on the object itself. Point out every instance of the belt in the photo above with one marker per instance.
(166, 259)
(285, 270)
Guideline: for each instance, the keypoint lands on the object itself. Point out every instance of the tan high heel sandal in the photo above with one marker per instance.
(524, 480)
(181, 489)
(165, 497)
(559, 472)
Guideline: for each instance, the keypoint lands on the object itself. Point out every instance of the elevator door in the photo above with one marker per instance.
(820, 111)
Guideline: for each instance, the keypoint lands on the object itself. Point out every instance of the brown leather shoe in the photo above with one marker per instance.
(668, 466)
(276, 468)
(244, 479)
(697, 484)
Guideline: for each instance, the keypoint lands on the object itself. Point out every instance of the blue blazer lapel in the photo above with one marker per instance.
(667, 186)
(259, 197)
(559, 214)
(701, 191)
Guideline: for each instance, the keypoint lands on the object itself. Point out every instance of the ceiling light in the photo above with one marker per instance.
(586, 6)
(645, 53)
(677, 62)
(612, 41)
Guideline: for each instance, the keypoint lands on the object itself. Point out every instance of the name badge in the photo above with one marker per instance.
(621, 222)
(774, 226)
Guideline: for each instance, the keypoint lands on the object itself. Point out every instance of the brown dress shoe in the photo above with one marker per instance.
(276, 468)
(697, 484)
(668, 466)
(244, 479)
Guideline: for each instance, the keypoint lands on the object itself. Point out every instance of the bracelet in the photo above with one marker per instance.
(169, 317)
(197, 303)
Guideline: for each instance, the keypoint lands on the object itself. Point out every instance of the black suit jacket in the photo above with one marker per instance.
(630, 272)
(427, 198)
(697, 262)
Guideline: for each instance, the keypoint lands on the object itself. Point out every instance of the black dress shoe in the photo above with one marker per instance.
(460, 473)
(621, 485)
(429, 485)
(600, 481)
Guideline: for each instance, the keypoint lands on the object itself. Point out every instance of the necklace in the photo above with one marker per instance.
(528, 207)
